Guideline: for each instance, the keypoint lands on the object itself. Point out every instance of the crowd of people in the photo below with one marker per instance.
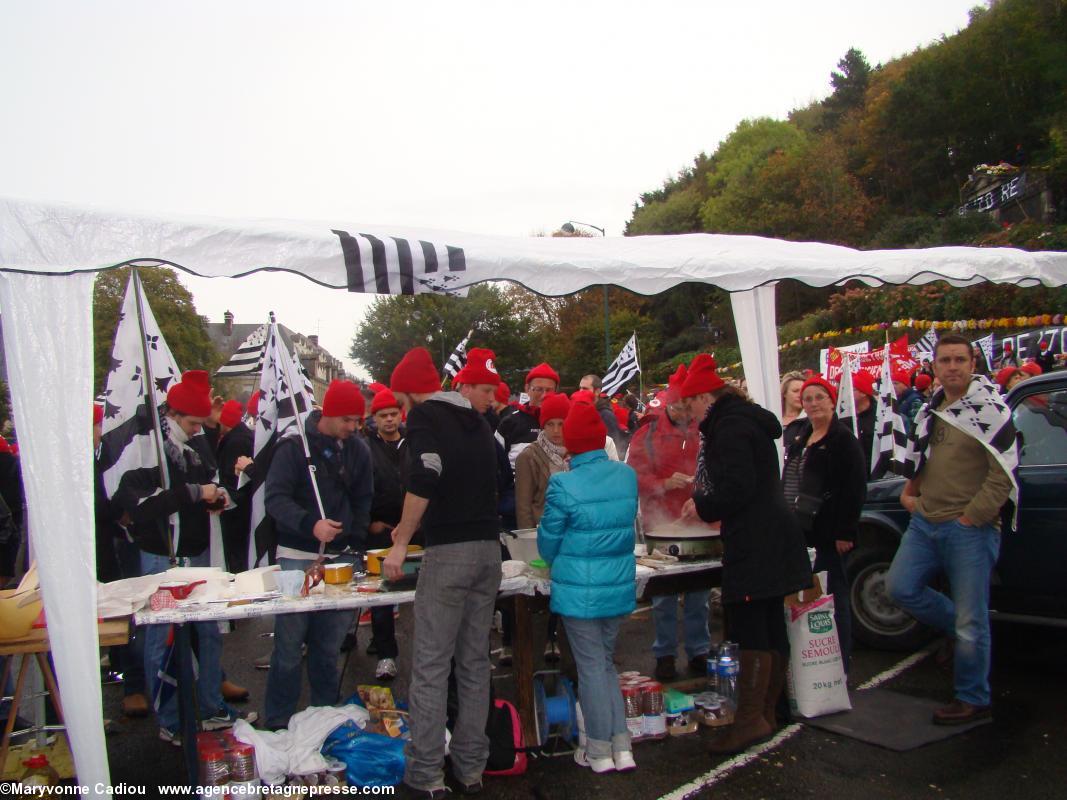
(449, 470)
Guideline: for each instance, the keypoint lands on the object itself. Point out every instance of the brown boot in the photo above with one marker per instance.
(774, 689)
(749, 725)
(232, 693)
(135, 705)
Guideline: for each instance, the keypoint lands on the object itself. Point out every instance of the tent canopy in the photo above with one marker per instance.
(48, 254)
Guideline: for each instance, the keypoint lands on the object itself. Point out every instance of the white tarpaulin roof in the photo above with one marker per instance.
(49, 252)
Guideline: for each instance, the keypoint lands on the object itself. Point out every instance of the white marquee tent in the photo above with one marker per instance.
(49, 254)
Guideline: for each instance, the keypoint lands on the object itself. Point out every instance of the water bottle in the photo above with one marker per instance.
(713, 673)
(728, 669)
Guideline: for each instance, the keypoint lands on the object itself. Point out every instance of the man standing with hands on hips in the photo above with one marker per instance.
(961, 461)
(451, 498)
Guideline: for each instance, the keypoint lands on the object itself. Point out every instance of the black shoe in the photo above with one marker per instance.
(411, 793)
(698, 665)
(469, 788)
(348, 642)
(665, 669)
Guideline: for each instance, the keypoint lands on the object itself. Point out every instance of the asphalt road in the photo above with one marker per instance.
(1022, 754)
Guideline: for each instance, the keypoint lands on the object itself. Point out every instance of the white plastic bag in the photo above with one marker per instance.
(816, 678)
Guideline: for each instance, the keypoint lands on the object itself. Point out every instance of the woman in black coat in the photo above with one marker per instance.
(764, 558)
(825, 483)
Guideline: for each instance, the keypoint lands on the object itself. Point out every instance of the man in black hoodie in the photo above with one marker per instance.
(343, 474)
(451, 496)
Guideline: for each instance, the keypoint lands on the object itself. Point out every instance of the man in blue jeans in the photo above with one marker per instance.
(344, 475)
(961, 460)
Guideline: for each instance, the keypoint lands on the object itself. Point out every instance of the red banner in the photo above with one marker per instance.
(900, 357)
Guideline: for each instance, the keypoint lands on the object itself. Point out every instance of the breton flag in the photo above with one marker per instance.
(391, 265)
(890, 435)
(142, 369)
(248, 360)
(458, 359)
(283, 386)
(622, 369)
(924, 348)
(846, 399)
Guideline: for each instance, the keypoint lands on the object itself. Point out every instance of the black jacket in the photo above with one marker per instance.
(107, 530)
(763, 547)
(451, 461)
(833, 470)
(865, 425)
(11, 486)
(239, 441)
(518, 430)
(387, 457)
(344, 475)
(149, 508)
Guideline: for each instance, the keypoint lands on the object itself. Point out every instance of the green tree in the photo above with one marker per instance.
(850, 87)
(172, 305)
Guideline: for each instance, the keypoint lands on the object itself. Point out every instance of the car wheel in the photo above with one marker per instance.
(876, 621)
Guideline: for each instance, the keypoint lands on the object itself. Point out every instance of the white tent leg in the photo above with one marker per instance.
(757, 334)
(48, 340)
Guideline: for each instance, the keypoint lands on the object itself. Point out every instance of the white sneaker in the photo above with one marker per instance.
(624, 761)
(386, 670)
(598, 765)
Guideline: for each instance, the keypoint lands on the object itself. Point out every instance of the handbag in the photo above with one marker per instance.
(806, 507)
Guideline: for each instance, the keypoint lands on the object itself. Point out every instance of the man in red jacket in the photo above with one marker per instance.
(664, 454)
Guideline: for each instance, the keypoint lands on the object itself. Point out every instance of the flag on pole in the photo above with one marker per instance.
(622, 369)
(130, 438)
(924, 348)
(248, 360)
(846, 399)
(458, 359)
(890, 434)
(276, 419)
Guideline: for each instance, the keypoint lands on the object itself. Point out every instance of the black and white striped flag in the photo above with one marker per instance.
(248, 360)
(392, 265)
(279, 406)
(130, 439)
(458, 359)
(622, 369)
(890, 434)
(924, 348)
(846, 398)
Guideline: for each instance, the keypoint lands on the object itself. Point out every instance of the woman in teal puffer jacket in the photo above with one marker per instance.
(586, 535)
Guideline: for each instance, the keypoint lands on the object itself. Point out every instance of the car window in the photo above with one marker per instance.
(1041, 419)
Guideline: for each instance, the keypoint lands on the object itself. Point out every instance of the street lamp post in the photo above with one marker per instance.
(568, 228)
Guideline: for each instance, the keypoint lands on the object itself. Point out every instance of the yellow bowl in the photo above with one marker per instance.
(338, 573)
(16, 622)
(375, 558)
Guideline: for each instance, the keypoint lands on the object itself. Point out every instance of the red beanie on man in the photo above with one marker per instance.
(901, 376)
(503, 393)
(1005, 375)
(1031, 368)
(479, 369)
(583, 396)
(232, 411)
(701, 377)
(583, 429)
(415, 374)
(382, 400)
(253, 403)
(376, 387)
(674, 384)
(192, 394)
(542, 370)
(343, 399)
(923, 381)
(554, 406)
(863, 381)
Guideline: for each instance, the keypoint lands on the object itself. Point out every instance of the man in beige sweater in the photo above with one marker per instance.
(955, 501)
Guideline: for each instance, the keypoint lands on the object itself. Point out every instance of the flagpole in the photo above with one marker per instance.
(300, 428)
(640, 372)
(153, 409)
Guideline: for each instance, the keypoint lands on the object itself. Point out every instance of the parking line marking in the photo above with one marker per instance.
(709, 779)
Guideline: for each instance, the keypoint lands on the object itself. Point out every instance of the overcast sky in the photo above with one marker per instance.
(492, 117)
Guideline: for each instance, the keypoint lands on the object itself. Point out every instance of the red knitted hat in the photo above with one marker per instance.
(253, 403)
(622, 416)
(415, 374)
(674, 384)
(191, 395)
(901, 376)
(923, 381)
(701, 377)
(863, 381)
(376, 387)
(384, 399)
(479, 368)
(343, 399)
(1031, 368)
(98, 414)
(583, 396)
(232, 411)
(503, 393)
(583, 429)
(1005, 375)
(819, 380)
(542, 370)
(554, 406)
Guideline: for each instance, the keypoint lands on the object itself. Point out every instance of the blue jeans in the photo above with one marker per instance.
(593, 645)
(827, 558)
(966, 555)
(323, 632)
(209, 656)
(695, 621)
